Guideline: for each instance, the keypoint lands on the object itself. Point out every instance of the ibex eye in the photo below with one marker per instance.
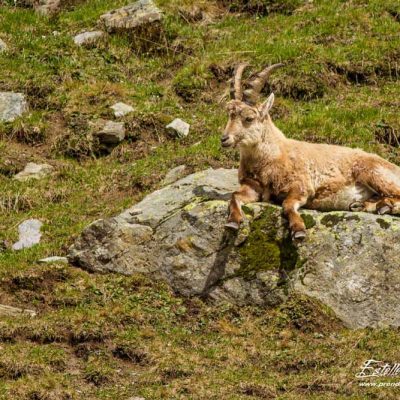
(249, 119)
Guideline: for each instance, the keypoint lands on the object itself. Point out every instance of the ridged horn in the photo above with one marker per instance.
(256, 83)
(236, 83)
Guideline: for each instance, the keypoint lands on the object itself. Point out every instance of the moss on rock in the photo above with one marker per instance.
(264, 249)
(383, 224)
(332, 219)
(309, 221)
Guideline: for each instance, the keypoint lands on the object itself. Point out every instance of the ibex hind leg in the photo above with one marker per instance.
(382, 205)
(385, 181)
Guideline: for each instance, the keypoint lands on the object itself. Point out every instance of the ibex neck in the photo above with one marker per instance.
(269, 148)
(271, 132)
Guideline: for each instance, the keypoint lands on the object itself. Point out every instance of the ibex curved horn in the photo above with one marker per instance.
(256, 84)
(236, 83)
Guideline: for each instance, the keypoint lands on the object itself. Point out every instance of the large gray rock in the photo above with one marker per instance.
(12, 105)
(349, 261)
(132, 16)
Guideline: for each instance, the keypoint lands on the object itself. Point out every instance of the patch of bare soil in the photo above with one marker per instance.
(300, 86)
(387, 134)
(256, 390)
(308, 315)
(395, 14)
(33, 286)
(368, 72)
(262, 7)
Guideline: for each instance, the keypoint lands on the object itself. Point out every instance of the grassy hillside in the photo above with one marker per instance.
(113, 337)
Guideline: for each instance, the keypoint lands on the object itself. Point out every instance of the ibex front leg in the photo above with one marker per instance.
(291, 205)
(249, 191)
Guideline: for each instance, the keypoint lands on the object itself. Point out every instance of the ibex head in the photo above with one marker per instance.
(246, 116)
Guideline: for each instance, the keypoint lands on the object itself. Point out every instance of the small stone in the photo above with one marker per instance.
(53, 259)
(29, 234)
(12, 105)
(34, 171)
(132, 16)
(121, 109)
(47, 7)
(174, 174)
(110, 132)
(88, 38)
(3, 46)
(179, 127)
(9, 311)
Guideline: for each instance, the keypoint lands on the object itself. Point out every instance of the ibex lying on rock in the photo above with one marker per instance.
(294, 173)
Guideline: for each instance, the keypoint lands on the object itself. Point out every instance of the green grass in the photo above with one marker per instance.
(113, 337)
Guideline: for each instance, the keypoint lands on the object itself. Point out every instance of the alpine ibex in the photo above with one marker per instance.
(294, 173)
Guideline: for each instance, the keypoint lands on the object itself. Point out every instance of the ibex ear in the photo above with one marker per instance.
(267, 105)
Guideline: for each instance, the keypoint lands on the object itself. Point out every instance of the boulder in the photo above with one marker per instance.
(34, 171)
(132, 16)
(12, 105)
(348, 261)
(88, 38)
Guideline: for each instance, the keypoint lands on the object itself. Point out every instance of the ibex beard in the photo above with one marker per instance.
(295, 173)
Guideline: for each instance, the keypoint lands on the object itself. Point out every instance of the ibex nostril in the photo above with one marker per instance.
(224, 138)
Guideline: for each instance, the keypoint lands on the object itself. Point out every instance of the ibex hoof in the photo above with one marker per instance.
(298, 235)
(384, 210)
(232, 225)
(356, 206)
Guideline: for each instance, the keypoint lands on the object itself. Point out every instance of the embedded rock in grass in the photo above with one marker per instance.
(34, 171)
(349, 261)
(110, 133)
(29, 234)
(142, 22)
(122, 109)
(174, 174)
(132, 16)
(88, 38)
(53, 259)
(12, 105)
(9, 311)
(179, 128)
(47, 7)
(3, 46)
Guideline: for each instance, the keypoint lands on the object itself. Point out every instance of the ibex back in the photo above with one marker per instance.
(299, 174)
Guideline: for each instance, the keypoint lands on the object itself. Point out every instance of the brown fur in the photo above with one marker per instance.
(316, 176)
